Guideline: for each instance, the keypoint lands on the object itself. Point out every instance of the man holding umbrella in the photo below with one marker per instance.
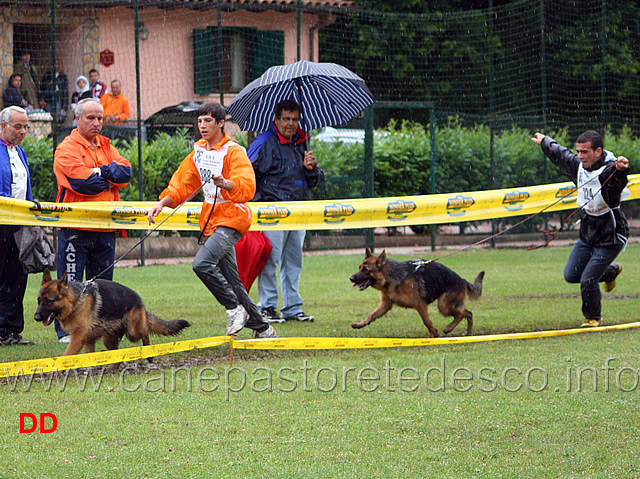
(285, 171)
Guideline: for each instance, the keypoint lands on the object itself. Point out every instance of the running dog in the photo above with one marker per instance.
(99, 309)
(415, 284)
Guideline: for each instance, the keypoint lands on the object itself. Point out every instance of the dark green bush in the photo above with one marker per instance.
(402, 159)
(40, 157)
(161, 158)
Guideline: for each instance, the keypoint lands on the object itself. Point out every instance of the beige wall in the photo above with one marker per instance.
(166, 57)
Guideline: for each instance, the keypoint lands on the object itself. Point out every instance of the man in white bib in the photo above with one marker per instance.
(223, 170)
(601, 182)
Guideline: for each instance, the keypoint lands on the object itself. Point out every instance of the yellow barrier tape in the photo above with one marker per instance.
(311, 215)
(357, 343)
(35, 366)
(102, 358)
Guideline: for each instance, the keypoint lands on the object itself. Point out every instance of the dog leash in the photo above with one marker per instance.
(148, 233)
(215, 200)
(552, 235)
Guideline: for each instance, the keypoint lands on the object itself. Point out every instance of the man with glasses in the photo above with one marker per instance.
(285, 171)
(15, 182)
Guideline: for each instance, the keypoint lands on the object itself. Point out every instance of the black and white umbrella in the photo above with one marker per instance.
(329, 94)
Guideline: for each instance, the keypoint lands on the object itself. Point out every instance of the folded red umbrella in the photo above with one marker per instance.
(252, 253)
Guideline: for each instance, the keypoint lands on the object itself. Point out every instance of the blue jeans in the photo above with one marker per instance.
(287, 250)
(216, 266)
(590, 265)
(80, 252)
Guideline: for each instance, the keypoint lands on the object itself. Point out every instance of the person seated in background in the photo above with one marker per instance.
(97, 87)
(115, 104)
(42, 104)
(61, 89)
(82, 91)
(11, 95)
(30, 81)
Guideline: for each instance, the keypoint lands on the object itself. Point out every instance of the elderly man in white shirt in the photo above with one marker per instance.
(15, 182)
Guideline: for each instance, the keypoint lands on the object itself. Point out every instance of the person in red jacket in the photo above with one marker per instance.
(87, 168)
(222, 169)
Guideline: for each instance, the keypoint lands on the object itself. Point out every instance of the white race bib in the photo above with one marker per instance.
(590, 192)
(209, 163)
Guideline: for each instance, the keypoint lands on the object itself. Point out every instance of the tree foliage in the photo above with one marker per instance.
(518, 62)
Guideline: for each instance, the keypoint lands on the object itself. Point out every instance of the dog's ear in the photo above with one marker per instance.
(64, 279)
(383, 257)
(367, 253)
(46, 276)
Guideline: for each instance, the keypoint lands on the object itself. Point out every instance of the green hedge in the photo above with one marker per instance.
(402, 161)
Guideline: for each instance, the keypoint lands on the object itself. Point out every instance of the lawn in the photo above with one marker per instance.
(555, 407)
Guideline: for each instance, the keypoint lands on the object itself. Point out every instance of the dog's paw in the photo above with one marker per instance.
(357, 325)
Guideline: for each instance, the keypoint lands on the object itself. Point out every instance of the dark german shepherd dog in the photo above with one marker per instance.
(415, 284)
(99, 309)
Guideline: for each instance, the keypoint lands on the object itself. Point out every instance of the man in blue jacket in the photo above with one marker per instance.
(285, 171)
(15, 182)
(600, 181)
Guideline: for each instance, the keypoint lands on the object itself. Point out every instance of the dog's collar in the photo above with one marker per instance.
(82, 293)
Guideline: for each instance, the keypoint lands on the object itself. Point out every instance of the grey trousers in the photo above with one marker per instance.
(215, 264)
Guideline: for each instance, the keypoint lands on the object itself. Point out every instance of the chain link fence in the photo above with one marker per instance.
(536, 65)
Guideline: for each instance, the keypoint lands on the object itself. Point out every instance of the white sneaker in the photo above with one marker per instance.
(267, 333)
(236, 319)
(64, 339)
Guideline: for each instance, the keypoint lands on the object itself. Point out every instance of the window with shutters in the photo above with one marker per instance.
(245, 55)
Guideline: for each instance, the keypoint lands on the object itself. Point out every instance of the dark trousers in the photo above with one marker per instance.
(216, 266)
(80, 252)
(590, 265)
(13, 283)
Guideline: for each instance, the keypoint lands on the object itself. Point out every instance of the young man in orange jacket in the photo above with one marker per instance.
(223, 170)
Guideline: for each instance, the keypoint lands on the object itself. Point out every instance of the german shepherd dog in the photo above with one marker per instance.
(415, 284)
(99, 309)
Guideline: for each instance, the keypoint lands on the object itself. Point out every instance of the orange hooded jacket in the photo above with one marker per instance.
(74, 166)
(231, 211)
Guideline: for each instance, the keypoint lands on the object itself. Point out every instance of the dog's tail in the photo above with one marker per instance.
(474, 291)
(165, 328)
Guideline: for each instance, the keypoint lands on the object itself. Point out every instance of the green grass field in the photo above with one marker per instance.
(551, 407)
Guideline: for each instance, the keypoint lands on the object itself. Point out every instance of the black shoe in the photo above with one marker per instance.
(301, 316)
(270, 315)
(13, 338)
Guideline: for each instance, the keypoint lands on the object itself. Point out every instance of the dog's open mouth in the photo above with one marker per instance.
(363, 285)
(49, 319)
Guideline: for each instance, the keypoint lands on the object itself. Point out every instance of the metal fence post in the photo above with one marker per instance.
(139, 119)
(368, 168)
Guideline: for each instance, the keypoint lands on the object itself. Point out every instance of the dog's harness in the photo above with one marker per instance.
(418, 263)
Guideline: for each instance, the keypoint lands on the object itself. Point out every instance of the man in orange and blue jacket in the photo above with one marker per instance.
(87, 168)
